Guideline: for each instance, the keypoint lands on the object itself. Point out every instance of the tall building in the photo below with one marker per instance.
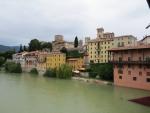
(98, 48)
(131, 66)
(59, 43)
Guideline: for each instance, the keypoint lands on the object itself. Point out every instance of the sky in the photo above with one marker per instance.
(23, 20)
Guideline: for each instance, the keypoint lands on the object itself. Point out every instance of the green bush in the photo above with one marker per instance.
(92, 74)
(34, 71)
(105, 71)
(64, 72)
(2, 60)
(13, 67)
(50, 73)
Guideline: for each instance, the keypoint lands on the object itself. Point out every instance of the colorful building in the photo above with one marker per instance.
(55, 60)
(75, 63)
(98, 48)
(41, 59)
(131, 66)
(19, 58)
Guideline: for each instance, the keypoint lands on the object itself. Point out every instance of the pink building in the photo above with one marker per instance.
(131, 66)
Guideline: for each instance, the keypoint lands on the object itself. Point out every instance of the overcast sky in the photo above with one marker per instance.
(23, 20)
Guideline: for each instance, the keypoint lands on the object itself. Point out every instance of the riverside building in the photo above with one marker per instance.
(131, 66)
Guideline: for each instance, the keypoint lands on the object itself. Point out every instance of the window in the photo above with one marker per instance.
(140, 66)
(120, 77)
(129, 72)
(129, 65)
(140, 59)
(148, 80)
(140, 73)
(134, 78)
(148, 73)
(120, 71)
(129, 58)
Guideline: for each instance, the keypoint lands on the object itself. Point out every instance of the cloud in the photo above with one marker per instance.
(22, 20)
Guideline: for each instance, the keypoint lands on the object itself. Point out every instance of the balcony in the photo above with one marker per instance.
(130, 62)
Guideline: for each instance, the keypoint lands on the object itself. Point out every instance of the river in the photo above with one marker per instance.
(35, 94)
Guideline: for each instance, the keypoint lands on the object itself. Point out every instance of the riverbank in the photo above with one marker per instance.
(95, 81)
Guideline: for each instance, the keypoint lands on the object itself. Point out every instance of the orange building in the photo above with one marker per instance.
(75, 63)
(131, 66)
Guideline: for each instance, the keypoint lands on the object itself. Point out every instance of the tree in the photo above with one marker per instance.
(2, 60)
(13, 67)
(46, 45)
(50, 73)
(63, 50)
(20, 50)
(34, 45)
(76, 42)
(64, 72)
(34, 71)
(24, 48)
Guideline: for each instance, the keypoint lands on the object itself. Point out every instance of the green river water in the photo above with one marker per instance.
(29, 94)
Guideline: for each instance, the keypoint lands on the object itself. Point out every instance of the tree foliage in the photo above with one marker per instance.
(13, 67)
(50, 73)
(105, 71)
(21, 49)
(34, 71)
(34, 45)
(2, 60)
(64, 72)
(76, 42)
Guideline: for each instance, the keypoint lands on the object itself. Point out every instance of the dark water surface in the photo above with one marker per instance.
(29, 94)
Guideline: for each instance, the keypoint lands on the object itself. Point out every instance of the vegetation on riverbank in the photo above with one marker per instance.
(13, 67)
(34, 71)
(50, 73)
(63, 72)
(104, 71)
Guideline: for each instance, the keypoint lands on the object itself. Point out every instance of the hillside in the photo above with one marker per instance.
(6, 48)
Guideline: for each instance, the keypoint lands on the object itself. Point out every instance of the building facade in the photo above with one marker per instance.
(126, 40)
(55, 60)
(75, 63)
(98, 48)
(131, 66)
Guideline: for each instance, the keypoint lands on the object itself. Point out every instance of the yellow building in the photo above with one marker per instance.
(55, 60)
(75, 63)
(98, 48)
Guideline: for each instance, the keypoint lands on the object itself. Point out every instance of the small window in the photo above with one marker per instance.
(120, 77)
(140, 73)
(134, 78)
(129, 65)
(129, 72)
(140, 66)
(148, 79)
(148, 73)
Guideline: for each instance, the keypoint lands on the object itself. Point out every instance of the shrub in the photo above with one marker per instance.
(64, 72)
(50, 73)
(34, 71)
(92, 74)
(2, 60)
(13, 67)
(105, 71)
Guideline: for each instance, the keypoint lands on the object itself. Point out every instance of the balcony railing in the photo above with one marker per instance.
(129, 62)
